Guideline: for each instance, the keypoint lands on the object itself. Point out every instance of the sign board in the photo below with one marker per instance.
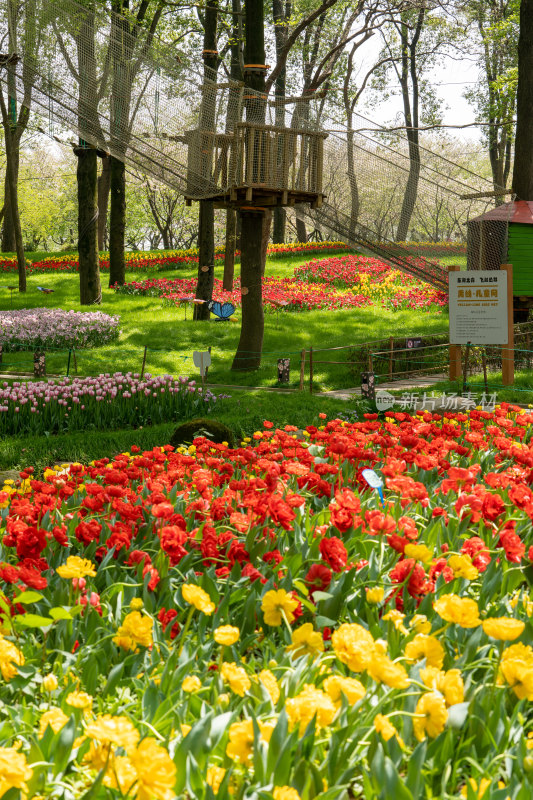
(478, 307)
(202, 360)
(412, 344)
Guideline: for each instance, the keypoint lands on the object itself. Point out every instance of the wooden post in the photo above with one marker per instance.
(39, 364)
(465, 372)
(310, 370)
(455, 349)
(508, 351)
(229, 254)
(144, 362)
(370, 363)
(302, 370)
(391, 355)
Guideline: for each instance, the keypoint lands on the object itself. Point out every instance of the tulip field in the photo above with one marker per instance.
(56, 328)
(338, 282)
(153, 261)
(254, 622)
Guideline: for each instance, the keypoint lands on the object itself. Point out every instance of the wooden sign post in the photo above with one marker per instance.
(455, 349)
(508, 352)
(202, 360)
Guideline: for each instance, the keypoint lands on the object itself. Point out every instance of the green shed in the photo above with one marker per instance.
(504, 235)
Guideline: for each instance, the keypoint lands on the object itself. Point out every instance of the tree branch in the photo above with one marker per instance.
(291, 39)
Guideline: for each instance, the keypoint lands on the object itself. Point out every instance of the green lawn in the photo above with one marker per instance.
(171, 340)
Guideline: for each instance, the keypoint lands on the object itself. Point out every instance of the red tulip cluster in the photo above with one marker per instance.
(333, 283)
(461, 484)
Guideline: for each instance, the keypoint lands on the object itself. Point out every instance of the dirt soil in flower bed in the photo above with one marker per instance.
(216, 621)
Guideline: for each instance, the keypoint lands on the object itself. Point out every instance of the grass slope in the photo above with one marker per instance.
(171, 339)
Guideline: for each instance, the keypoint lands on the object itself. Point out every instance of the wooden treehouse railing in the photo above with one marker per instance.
(277, 166)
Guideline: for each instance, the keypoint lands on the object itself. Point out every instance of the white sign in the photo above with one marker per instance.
(202, 360)
(478, 307)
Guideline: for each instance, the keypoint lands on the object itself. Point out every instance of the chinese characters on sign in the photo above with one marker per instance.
(478, 307)
(411, 401)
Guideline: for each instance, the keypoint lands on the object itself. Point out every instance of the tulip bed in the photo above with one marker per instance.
(278, 293)
(161, 260)
(252, 623)
(333, 283)
(102, 402)
(55, 328)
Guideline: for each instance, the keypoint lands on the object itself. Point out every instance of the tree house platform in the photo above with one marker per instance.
(256, 166)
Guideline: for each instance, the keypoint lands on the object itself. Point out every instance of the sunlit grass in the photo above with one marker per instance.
(171, 339)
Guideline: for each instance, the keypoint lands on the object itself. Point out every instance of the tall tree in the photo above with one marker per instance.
(408, 73)
(495, 24)
(318, 39)
(206, 214)
(416, 36)
(18, 117)
(131, 37)
(249, 349)
(281, 12)
(351, 94)
(87, 169)
(11, 180)
(523, 165)
(235, 74)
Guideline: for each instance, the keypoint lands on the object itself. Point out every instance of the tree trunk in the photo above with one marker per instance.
(229, 259)
(87, 176)
(523, 162)
(411, 187)
(8, 230)
(206, 212)
(265, 236)
(352, 181)
(117, 222)
(238, 231)
(13, 193)
(248, 355)
(232, 118)
(104, 183)
(278, 228)
(411, 116)
(249, 349)
(206, 258)
(301, 230)
(281, 12)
